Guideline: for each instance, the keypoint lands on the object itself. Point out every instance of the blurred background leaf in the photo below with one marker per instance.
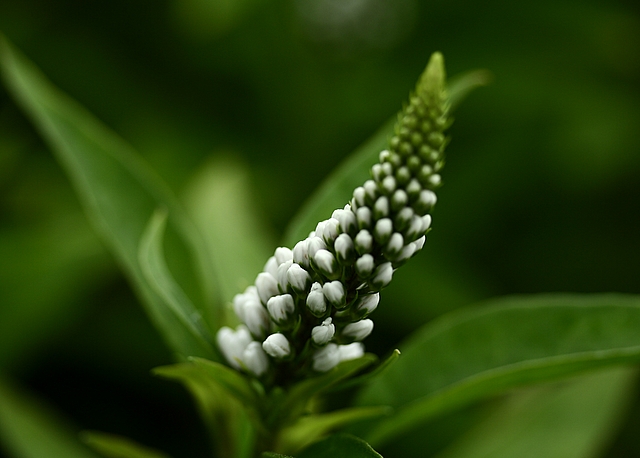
(540, 185)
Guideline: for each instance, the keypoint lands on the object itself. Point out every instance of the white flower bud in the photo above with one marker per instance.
(415, 228)
(363, 241)
(399, 199)
(256, 318)
(408, 251)
(395, 245)
(367, 304)
(238, 305)
(283, 254)
(277, 346)
(298, 278)
(418, 244)
(330, 231)
(271, 266)
(347, 220)
(320, 228)
(389, 184)
(413, 188)
(403, 218)
(345, 250)
(233, 343)
(384, 155)
(364, 217)
(371, 190)
(426, 222)
(382, 276)
(435, 180)
(301, 253)
(325, 262)
(315, 244)
(426, 200)
(281, 308)
(255, 359)
(334, 293)
(316, 301)
(322, 334)
(283, 282)
(352, 351)
(267, 286)
(365, 265)
(326, 358)
(359, 330)
(383, 230)
(381, 207)
(376, 172)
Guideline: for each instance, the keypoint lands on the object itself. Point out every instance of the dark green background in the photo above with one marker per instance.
(542, 184)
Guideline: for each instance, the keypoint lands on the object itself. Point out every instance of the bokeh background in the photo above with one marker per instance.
(542, 184)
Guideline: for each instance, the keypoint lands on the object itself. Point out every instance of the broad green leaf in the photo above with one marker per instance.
(313, 427)
(225, 417)
(274, 455)
(113, 446)
(157, 275)
(118, 190)
(219, 200)
(28, 429)
(474, 353)
(340, 446)
(568, 419)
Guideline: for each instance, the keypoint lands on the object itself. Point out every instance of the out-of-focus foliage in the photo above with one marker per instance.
(541, 184)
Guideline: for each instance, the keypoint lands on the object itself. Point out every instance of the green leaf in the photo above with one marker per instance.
(340, 446)
(568, 419)
(310, 428)
(30, 430)
(474, 353)
(300, 394)
(233, 381)
(157, 275)
(113, 446)
(224, 415)
(460, 86)
(275, 455)
(219, 200)
(117, 189)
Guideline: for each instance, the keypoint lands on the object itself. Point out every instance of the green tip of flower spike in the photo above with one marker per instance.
(433, 80)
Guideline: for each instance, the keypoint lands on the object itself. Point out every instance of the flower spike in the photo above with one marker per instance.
(310, 308)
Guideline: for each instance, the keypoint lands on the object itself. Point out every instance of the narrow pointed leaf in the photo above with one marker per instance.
(158, 276)
(118, 190)
(474, 353)
(112, 446)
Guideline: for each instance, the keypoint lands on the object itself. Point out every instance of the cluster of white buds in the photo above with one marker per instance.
(308, 309)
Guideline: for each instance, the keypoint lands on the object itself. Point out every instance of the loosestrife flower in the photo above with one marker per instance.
(309, 309)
